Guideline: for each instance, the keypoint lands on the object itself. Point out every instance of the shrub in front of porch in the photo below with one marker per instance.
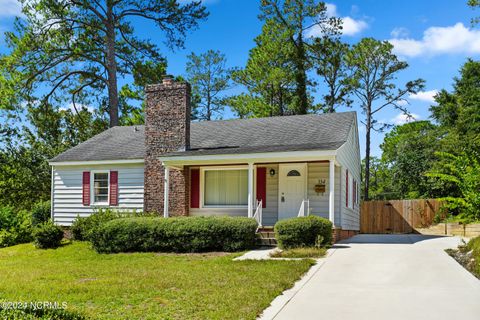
(179, 234)
(303, 232)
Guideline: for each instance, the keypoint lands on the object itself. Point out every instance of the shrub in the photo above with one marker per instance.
(30, 313)
(47, 235)
(180, 234)
(303, 232)
(15, 227)
(473, 246)
(41, 212)
(83, 227)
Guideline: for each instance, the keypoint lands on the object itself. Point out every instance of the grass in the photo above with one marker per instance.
(307, 252)
(144, 285)
(474, 246)
(468, 255)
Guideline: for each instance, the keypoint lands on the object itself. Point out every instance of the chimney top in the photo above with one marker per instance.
(167, 79)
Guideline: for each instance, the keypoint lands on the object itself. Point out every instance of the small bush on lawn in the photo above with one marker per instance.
(41, 212)
(303, 232)
(15, 227)
(30, 313)
(47, 235)
(181, 234)
(83, 228)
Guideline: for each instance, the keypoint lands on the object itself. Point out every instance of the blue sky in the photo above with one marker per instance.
(433, 36)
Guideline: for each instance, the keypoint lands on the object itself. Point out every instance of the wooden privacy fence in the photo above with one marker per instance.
(397, 216)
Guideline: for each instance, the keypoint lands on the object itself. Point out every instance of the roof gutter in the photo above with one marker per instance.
(264, 157)
(94, 162)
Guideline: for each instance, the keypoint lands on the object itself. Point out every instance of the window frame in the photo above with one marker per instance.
(202, 187)
(92, 188)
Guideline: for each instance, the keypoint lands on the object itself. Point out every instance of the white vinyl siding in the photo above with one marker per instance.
(318, 172)
(348, 156)
(228, 188)
(67, 190)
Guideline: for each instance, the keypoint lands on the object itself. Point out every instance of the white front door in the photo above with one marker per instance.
(291, 188)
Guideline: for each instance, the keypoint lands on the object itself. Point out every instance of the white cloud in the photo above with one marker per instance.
(350, 26)
(402, 118)
(426, 96)
(79, 107)
(331, 10)
(399, 32)
(439, 40)
(10, 8)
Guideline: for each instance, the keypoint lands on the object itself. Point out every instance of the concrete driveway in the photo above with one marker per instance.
(387, 277)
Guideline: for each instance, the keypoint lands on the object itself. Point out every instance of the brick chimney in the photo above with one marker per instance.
(167, 129)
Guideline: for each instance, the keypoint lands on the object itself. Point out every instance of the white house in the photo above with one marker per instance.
(267, 168)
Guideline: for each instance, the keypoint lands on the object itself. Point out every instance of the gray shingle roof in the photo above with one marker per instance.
(290, 133)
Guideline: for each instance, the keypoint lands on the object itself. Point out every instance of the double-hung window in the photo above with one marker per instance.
(100, 187)
(225, 187)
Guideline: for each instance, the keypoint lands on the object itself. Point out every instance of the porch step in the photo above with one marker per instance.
(266, 237)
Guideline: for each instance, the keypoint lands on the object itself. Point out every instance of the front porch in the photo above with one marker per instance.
(265, 190)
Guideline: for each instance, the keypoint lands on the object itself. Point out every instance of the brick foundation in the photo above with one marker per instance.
(167, 129)
(339, 234)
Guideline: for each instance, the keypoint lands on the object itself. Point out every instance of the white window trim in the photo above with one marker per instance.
(202, 186)
(92, 188)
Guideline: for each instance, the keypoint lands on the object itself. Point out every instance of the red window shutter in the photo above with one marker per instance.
(346, 186)
(114, 188)
(262, 186)
(86, 188)
(194, 188)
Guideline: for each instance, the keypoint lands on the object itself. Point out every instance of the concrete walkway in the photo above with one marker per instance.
(385, 277)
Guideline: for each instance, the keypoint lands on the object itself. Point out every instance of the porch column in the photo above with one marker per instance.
(250, 190)
(166, 184)
(331, 202)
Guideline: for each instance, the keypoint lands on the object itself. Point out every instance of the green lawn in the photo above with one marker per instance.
(144, 285)
(306, 252)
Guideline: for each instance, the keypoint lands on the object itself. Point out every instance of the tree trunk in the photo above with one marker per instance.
(367, 155)
(111, 67)
(208, 116)
(301, 76)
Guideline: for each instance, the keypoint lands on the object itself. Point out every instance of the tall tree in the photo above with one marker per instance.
(328, 56)
(297, 18)
(474, 4)
(380, 180)
(374, 68)
(458, 112)
(408, 151)
(131, 95)
(209, 76)
(268, 76)
(80, 48)
(44, 132)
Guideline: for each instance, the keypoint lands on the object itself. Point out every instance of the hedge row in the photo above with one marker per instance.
(303, 232)
(179, 234)
(83, 228)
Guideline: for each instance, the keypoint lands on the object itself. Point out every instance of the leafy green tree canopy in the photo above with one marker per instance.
(76, 50)
(209, 77)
